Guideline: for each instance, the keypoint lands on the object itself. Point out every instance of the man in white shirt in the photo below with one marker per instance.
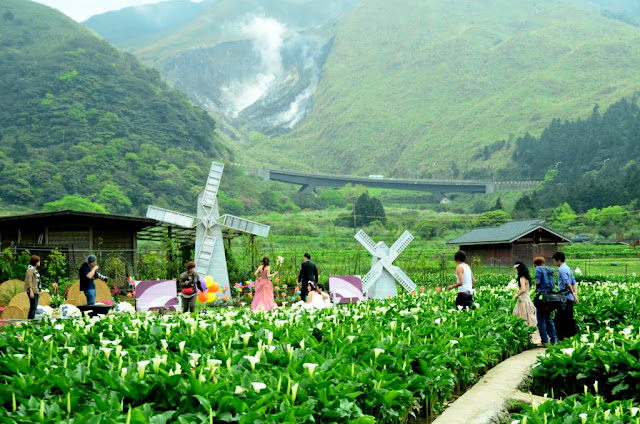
(464, 282)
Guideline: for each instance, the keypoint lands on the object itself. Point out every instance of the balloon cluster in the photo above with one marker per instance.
(210, 288)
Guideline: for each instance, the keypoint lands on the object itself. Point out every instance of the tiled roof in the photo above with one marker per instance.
(505, 233)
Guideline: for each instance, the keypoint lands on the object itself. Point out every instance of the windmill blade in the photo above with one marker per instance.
(205, 254)
(210, 191)
(368, 244)
(244, 225)
(371, 277)
(400, 244)
(171, 217)
(402, 278)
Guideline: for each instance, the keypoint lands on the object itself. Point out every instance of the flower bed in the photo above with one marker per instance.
(379, 361)
(582, 408)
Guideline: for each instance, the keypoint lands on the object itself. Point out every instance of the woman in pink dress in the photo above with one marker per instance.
(263, 299)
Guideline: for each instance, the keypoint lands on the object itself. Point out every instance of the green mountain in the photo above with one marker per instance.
(407, 87)
(80, 118)
(413, 87)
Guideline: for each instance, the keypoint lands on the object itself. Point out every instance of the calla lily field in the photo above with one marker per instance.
(385, 361)
(377, 361)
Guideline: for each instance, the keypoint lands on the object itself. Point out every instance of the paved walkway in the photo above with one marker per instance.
(485, 401)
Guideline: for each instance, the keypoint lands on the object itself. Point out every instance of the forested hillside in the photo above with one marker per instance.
(591, 163)
(79, 118)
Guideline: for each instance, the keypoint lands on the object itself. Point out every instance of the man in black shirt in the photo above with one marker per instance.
(308, 272)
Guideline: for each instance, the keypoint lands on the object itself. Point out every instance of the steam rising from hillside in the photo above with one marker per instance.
(284, 77)
(267, 35)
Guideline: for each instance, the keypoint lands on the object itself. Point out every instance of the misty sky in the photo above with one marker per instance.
(81, 10)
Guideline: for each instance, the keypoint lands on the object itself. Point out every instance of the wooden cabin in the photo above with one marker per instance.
(510, 242)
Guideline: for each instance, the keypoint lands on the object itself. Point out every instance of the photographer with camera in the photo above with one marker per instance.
(189, 282)
(87, 273)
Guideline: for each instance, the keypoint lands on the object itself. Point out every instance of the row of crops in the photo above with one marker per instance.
(379, 361)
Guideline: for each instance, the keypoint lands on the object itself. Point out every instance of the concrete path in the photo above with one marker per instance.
(486, 400)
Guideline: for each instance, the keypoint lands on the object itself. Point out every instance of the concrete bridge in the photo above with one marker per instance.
(437, 187)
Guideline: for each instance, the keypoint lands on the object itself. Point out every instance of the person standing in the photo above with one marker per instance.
(32, 285)
(544, 284)
(88, 272)
(464, 282)
(565, 322)
(524, 307)
(188, 282)
(263, 299)
(308, 272)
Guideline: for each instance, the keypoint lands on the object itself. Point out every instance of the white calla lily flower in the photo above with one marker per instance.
(257, 386)
(310, 367)
(142, 365)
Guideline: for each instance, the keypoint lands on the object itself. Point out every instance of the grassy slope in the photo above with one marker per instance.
(412, 82)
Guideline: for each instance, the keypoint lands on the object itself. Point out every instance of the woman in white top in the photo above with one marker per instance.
(464, 282)
(316, 298)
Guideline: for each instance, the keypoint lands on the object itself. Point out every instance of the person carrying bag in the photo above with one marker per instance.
(546, 301)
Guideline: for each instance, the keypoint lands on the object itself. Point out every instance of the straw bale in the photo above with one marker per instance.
(14, 312)
(44, 299)
(9, 289)
(103, 292)
(78, 300)
(21, 300)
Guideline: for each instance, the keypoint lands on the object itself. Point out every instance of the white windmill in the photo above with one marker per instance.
(209, 255)
(380, 281)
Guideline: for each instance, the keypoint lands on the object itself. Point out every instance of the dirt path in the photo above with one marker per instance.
(485, 401)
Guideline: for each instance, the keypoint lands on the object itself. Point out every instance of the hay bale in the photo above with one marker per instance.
(14, 312)
(21, 300)
(78, 300)
(44, 299)
(103, 292)
(9, 289)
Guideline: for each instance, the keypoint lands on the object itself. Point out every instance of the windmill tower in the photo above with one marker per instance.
(380, 281)
(210, 258)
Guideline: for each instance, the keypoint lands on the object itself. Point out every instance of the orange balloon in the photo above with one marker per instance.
(214, 287)
(202, 297)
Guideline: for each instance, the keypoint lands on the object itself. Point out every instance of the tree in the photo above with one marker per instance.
(74, 203)
(114, 198)
(563, 216)
(525, 208)
(329, 198)
(493, 218)
(498, 206)
(369, 209)
(305, 200)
